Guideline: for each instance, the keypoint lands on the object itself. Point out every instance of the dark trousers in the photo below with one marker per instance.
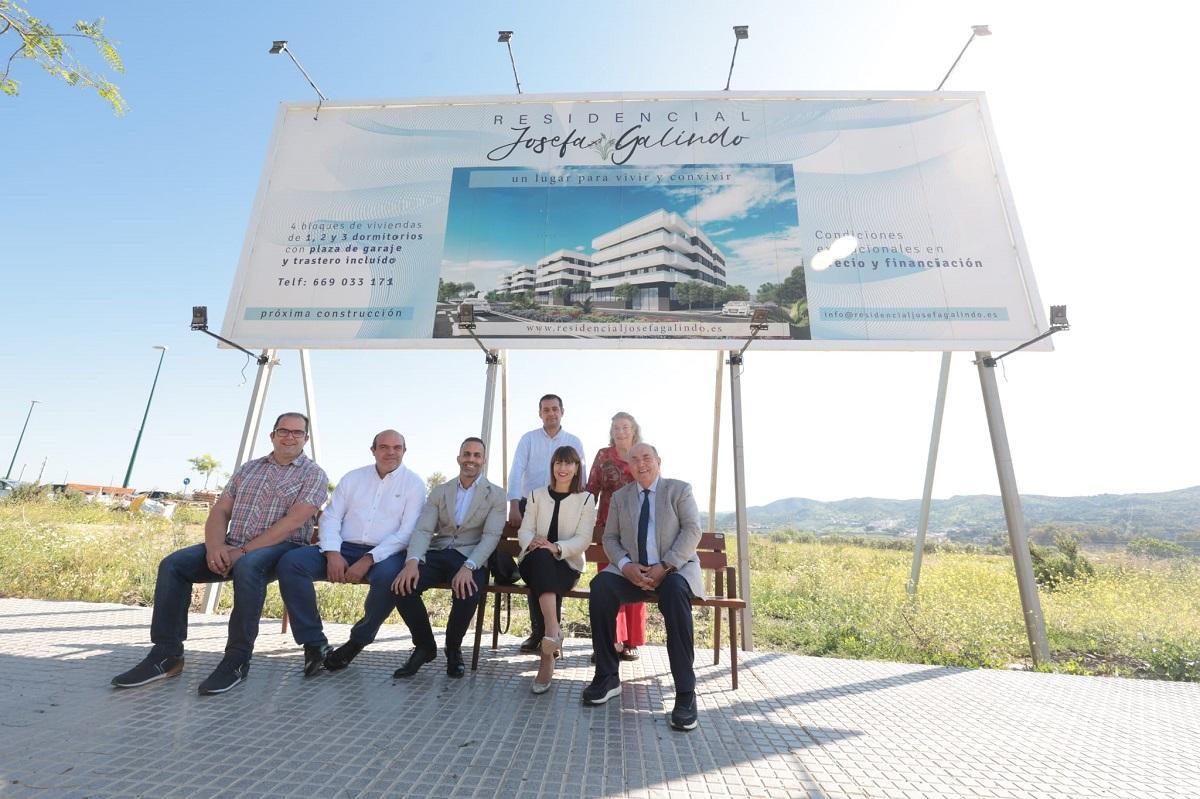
(546, 574)
(300, 567)
(180, 570)
(610, 591)
(439, 566)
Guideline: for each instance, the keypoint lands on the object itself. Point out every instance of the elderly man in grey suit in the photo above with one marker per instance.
(650, 539)
(457, 530)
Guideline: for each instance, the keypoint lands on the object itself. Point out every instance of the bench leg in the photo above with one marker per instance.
(496, 624)
(283, 629)
(716, 612)
(479, 614)
(733, 646)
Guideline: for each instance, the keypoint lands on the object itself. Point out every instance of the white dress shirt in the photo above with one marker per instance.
(372, 511)
(531, 463)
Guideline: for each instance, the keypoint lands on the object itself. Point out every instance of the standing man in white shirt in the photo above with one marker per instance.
(531, 470)
(363, 534)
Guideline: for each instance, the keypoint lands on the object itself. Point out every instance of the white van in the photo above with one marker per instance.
(480, 304)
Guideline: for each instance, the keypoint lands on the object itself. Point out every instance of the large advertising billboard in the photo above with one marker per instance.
(847, 221)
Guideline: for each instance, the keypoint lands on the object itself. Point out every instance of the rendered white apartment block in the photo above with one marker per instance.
(654, 254)
(561, 269)
(518, 281)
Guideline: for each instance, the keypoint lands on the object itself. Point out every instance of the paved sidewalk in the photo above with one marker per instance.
(797, 727)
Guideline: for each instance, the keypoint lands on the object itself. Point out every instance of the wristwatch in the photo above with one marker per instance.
(667, 568)
(470, 564)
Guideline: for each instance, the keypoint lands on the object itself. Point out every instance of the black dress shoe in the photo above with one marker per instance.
(314, 657)
(340, 658)
(454, 664)
(683, 716)
(532, 644)
(416, 660)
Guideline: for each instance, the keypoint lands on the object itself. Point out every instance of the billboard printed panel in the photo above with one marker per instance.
(851, 222)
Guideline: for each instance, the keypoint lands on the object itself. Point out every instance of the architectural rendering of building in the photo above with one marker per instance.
(652, 254)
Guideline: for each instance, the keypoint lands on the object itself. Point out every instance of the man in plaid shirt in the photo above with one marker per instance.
(266, 511)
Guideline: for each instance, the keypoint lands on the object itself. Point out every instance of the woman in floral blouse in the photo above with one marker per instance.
(610, 471)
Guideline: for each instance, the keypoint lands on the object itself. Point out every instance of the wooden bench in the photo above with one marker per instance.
(712, 556)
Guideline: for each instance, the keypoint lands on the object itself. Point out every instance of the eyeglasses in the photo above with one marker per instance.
(283, 432)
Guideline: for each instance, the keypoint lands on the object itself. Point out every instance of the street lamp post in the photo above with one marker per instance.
(20, 438)
(138, 442)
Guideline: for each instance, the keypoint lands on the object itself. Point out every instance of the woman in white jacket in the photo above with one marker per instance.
(554, 535)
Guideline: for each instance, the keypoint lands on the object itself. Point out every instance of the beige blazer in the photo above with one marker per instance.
(576, 521)
(676, 528)
(480, 531)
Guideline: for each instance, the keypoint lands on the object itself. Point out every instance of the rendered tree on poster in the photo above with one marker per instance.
(36, 40)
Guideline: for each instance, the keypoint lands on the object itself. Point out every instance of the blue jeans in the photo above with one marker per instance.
(299, 568)
(182, 569)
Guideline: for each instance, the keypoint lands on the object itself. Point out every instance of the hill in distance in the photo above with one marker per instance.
(1168, 515)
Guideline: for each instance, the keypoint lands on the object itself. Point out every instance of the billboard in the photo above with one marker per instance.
(849, 221)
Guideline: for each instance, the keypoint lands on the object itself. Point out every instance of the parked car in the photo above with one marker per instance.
(737, 308)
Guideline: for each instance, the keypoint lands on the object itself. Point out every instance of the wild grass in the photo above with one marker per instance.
(1134, 616)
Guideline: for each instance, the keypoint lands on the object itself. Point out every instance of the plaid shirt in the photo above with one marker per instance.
(263, 492)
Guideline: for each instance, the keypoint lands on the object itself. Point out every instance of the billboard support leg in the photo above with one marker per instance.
(504, 420)
(716, 450)
(739, 487)
(489, 399)
(310, 404)
(1031, 605)
(935, 438)
(258, 397)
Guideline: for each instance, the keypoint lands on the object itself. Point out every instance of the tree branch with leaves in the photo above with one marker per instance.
(37, 41)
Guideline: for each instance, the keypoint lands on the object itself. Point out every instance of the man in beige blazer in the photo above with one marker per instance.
(650, 539)
(457, 531)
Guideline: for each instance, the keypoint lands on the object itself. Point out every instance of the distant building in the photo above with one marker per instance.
(654, 254)
(560, 270)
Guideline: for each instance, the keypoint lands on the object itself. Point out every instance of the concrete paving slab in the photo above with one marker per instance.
(797, 727)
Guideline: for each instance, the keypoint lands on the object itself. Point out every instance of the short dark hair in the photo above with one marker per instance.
(568, 455)
(551, 397)
(283, 416)
(469, 439)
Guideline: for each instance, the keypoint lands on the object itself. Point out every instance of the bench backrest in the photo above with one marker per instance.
(711, 550)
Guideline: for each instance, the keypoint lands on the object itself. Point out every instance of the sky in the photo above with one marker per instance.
(113, 227)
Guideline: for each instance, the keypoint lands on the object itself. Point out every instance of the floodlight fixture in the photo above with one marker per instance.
(739, 32)
(758, 323)
(505, 38)
(281, 46)
(466, 321)
(976, 30)
(200, 324)
(1058, 323)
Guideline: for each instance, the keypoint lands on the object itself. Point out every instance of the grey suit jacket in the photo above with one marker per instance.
(676, 527)
(476, 537)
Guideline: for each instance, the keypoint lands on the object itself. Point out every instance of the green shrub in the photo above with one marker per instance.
(1156, 548)
(1051, 569)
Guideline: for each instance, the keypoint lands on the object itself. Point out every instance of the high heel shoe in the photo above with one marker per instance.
(550, 644)
(539, 687)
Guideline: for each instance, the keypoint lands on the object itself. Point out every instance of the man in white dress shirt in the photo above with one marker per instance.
(530, 470)
(363, 534)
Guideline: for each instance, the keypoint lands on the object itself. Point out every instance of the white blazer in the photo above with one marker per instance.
(576, 520)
